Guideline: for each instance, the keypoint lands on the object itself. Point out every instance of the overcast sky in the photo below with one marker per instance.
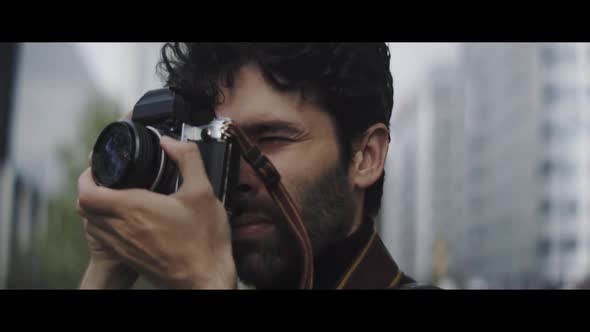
(410, 61)
(122, 70)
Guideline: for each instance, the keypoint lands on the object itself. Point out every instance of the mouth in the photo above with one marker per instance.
(251, 226)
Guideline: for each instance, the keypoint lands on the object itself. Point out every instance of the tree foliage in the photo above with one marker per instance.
(62, 249)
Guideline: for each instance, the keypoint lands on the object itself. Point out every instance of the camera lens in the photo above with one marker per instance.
(127, 155)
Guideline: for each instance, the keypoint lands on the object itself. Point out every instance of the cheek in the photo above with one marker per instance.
(302, 163)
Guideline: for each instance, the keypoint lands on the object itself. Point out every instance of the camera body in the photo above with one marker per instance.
(127, 154)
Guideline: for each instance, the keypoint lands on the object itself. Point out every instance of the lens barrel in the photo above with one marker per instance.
(127, 155)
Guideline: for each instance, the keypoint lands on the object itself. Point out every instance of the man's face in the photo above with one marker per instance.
(301, 142)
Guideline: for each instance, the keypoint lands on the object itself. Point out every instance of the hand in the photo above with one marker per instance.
(178, 241)
(105, 269)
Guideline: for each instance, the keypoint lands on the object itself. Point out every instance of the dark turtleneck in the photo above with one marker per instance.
(332, 263)
(360, 261)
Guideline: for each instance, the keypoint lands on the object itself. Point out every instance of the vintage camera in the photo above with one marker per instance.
(127, 154)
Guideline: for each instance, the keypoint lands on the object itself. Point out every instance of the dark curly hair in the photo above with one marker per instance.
(350, 81)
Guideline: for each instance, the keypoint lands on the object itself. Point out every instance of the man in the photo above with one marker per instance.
(320, 113)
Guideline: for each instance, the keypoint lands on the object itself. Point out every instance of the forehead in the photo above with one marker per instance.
(252, 100)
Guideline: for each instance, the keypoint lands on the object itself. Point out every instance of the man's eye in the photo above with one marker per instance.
(272, 139)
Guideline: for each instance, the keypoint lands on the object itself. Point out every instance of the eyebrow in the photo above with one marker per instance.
(273, 126)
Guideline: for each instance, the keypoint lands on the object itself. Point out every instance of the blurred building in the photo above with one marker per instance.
(502, 112)
(505, 203)
(563, 165)
(8, 56)
(424, 177)
(21, 204)
(23, 212)
(443, 99)
(400, 194)
(528, 166)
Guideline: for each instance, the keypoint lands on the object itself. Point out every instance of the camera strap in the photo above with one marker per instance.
(272, 181)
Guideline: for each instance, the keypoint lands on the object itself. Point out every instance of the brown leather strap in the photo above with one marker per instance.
(272, 181)
(373, 268)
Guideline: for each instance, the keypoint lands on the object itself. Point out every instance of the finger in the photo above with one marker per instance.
(190, 164)
(125, 248)
(112, 208)
(123, 228)
(99, 199)
(106, 239)
(87, 212)
(110, 232)
(114, 226)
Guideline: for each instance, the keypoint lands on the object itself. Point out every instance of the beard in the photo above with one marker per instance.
(327, 209)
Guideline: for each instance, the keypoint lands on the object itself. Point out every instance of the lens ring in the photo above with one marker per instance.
(113, 153)
(162, 160)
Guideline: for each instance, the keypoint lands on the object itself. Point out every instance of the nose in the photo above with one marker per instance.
(249, 184)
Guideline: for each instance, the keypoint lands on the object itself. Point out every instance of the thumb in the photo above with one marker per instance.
(190, 164)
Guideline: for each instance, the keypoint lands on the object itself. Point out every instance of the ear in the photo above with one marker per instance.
(370, 152)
